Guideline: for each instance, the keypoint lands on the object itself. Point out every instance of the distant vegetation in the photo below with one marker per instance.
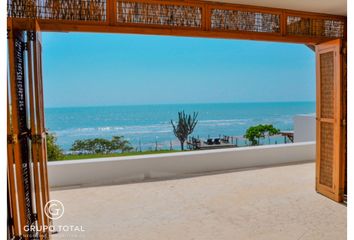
(255, 133)
(184, 127)
(54, 152)
(95, 148)
(118, 146)
(102, 146)
(88, 156)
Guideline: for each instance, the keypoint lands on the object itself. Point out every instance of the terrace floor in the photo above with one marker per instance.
(269, 203)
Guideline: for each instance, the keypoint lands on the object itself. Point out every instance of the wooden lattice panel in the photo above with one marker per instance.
(74, 10)
(174, 15)
(195, 18)
(327, 84)
(317, 27)
(240, 20)
(326, 154)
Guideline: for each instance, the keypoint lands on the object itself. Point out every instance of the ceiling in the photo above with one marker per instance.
(336, 7)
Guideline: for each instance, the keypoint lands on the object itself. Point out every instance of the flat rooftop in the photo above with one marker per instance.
(266, 203)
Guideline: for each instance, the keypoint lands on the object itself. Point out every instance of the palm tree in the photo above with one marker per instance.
(185, 126)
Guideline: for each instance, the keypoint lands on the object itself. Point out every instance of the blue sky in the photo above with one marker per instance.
(115, 69)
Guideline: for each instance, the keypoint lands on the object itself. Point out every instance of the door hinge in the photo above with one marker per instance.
(12, 139)
(344, 122)
(36, 138)
(344, 50)
(31, 35)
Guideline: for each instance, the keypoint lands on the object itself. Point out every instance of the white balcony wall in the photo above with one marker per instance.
(305, 128)
(115, 170)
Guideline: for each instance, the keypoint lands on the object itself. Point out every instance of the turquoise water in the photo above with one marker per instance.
(144, 125)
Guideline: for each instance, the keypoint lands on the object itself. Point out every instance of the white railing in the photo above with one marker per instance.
(137, 168)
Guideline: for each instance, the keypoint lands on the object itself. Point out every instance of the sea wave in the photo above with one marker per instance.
(164, 127)
(120, 130)
(224, 122)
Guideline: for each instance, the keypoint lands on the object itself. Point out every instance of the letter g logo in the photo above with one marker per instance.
(54, 209)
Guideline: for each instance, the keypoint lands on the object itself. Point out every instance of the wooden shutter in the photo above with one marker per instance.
(329, 157)
(28, 189)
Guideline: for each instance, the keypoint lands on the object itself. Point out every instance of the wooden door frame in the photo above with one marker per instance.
(339, 109)
(111, 25)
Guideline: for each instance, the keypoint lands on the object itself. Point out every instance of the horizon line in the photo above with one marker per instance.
(156, 104)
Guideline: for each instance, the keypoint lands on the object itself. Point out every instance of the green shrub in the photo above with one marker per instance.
(255, 133)
(54, 152)
(102, 146)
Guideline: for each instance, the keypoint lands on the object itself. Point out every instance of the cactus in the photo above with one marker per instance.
(185, 126)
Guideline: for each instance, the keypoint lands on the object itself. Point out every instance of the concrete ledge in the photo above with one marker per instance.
(137, 168)
(304, 128)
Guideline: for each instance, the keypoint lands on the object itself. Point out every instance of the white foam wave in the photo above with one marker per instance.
(162, 128)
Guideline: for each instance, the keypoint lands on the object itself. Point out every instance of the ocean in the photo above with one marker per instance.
(148, 126)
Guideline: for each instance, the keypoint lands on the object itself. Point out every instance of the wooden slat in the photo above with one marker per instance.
(111, 12)
(283, 24)
(34, 144)
(11, 178)
(17, 156)
(205, 18)
(10, 212)
(40, 128)
(344, 115)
